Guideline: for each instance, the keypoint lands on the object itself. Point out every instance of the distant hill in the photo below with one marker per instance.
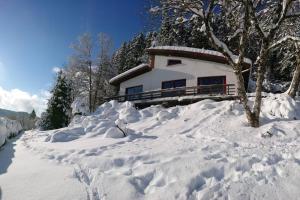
(22, 117)
(13, 115)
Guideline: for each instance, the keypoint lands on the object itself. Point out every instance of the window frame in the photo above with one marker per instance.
(218, 90)
(172, 62)
(128, 88)
(173, 83)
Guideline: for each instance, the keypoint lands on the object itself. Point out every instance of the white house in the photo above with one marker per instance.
(179, 71)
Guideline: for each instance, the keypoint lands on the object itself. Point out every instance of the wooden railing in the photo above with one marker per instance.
(205, 90)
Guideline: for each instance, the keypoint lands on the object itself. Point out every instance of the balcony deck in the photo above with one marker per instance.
(179, 96)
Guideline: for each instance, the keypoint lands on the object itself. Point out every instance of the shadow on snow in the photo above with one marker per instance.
(7, 153)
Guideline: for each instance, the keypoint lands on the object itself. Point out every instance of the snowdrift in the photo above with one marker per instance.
(8, 128)
(203, 151)
(109, 121)
(280, 106)
(112, 118)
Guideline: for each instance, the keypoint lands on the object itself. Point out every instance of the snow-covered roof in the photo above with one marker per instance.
(140, 69)
(185, 52)
(193, 50)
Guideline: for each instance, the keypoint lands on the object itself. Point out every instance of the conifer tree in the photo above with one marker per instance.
(32, 114)
(166, 32)
(58, 112)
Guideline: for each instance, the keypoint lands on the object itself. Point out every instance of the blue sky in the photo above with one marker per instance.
(36, 35)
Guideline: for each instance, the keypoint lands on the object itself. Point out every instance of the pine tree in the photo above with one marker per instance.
(120, 58)
(180, 29)
(198, 39)
(58, 112)
(32, 114)
(166, 36)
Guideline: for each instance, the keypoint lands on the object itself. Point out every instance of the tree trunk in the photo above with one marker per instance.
(296, 77)
(259, 84)
(242, 93)
(97, 88)
(90, 87)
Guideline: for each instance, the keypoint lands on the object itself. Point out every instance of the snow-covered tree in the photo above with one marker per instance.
(244, 16)
(166, 33)
(198, 39)
(58, 111)
(120, 57)
(104, 71)
(81, 62)
(32, 115)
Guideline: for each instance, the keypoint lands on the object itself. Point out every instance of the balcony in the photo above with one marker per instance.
(184, 95)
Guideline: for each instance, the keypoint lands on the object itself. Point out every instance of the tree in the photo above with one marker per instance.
(82, 60)
(166, 36)
(244, 16)
(198, 38)
(32, 115)
(120, 58)
(104, 71)
(58, 112)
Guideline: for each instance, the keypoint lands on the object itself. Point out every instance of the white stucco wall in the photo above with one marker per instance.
(190, 69)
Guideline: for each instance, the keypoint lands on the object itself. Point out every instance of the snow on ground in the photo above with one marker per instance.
(26, 176)
(204, 151)
(8, 128)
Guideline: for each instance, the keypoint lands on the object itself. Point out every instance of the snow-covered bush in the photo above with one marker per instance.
(8, 128)
(280, 106)
(80, 106)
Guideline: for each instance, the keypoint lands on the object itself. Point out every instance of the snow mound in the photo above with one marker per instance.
(109, 121)
(280, 106)
(65, 134)
(205, 150)
(8, 128)
(113, 132)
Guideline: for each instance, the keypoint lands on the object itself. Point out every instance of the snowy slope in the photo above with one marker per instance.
(201, 151)
(8, 128)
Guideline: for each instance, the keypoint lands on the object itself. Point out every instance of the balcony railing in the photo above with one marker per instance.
(203, 90)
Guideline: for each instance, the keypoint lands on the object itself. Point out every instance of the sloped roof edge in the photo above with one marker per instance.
(136, 71)
(194, 53)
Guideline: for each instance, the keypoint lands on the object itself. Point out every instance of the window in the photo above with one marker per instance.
(174, 84)
(174, 62)
(212, 85)
(131, 91)
(171, 85)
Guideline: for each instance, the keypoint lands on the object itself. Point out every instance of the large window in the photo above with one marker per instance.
(212, 85)
(171, 85)
(131, 91)
(174, 62)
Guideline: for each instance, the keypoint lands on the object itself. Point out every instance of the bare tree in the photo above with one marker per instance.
(82, 61)
(246, 16)
(104, 69)
(294, 86)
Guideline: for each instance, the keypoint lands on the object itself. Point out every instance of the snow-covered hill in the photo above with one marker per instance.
(8, 128)
(22, 117)
(201, 151)
(13, 114)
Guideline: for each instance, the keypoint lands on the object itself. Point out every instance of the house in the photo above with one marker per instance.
(179, 74)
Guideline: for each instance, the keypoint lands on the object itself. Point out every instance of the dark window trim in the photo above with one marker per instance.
(224, 82)
(225, 78)
(174, 62)
(184, 79)
(126, 89)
